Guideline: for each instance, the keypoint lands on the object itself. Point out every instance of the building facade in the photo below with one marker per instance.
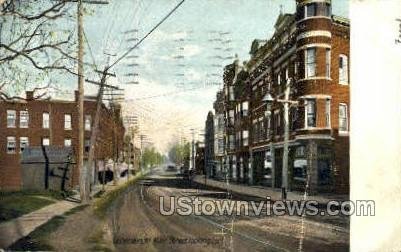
(304, 68)
(230, 158)
(210, 169)
(37, 122)
(241, 126)
(219, 131)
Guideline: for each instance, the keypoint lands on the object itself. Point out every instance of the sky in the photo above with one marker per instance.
(179, 66)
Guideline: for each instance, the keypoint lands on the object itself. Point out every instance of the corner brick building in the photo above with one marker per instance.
(53, 122)
(307, 56)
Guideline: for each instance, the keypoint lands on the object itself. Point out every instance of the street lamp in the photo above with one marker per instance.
(268, 99)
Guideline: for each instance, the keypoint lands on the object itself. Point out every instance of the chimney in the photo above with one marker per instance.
(29, 95)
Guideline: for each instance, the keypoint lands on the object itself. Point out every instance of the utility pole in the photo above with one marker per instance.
(286, 139)
(129, 154)
(95, 127)
(193, 150)
(141, 159)
(83, 189)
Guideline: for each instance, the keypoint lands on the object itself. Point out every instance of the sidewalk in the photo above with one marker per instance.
(13, 230)
(263, 192)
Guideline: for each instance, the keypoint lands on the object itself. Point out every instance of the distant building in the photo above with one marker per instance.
(200, 158)
(230, 158)
(210, 168)
(40, 122)
(219, 131)
(241, 126)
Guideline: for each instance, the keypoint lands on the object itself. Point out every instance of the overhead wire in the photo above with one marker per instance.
(147, 35)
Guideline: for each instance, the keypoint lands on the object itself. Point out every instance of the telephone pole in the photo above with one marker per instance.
(83, 189)
(102, 85)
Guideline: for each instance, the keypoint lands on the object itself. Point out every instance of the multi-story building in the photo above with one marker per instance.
(304, 68)
(210, 169)
(308, 54)
(219, 145)
(230, 159)
(200, 158)
(241, 125)
(39, 122)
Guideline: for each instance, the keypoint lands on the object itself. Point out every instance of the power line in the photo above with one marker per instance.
(165, 94)
(150, 32)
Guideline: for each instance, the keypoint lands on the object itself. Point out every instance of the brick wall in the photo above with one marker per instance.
(10, 170)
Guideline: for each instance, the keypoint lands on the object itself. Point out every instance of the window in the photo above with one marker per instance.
(11, 145)
(343, 69)
(327, 113)
(300, 164)
(67, 142)
(87, 145)
(245, 108)
(261, 129)
(267, 165)
(286, 74)
(300, 151)
(278, 79)
(245, 137)
(67, 122)
(23, 143)
(328, 60)
(328, 9)
(310, 62)
(231, 93)
(45, 141)
(231, 116)
(46, 120)
(310, 10)
(343, 118)
(23, 119)
(294, 118)
(88, 122)
(324, 172)
(310, 113)
(231, 142)
(255, 129)
(323, 9)
(11, 118)
(300, 169)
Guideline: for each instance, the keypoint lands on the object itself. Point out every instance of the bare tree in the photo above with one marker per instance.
(35, 43)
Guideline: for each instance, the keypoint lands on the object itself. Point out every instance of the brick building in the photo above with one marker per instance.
(219, 127)
(308, 53)
(308, 58)
(241, 125)
(53, 122)
(210, 169)
(230, 158)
